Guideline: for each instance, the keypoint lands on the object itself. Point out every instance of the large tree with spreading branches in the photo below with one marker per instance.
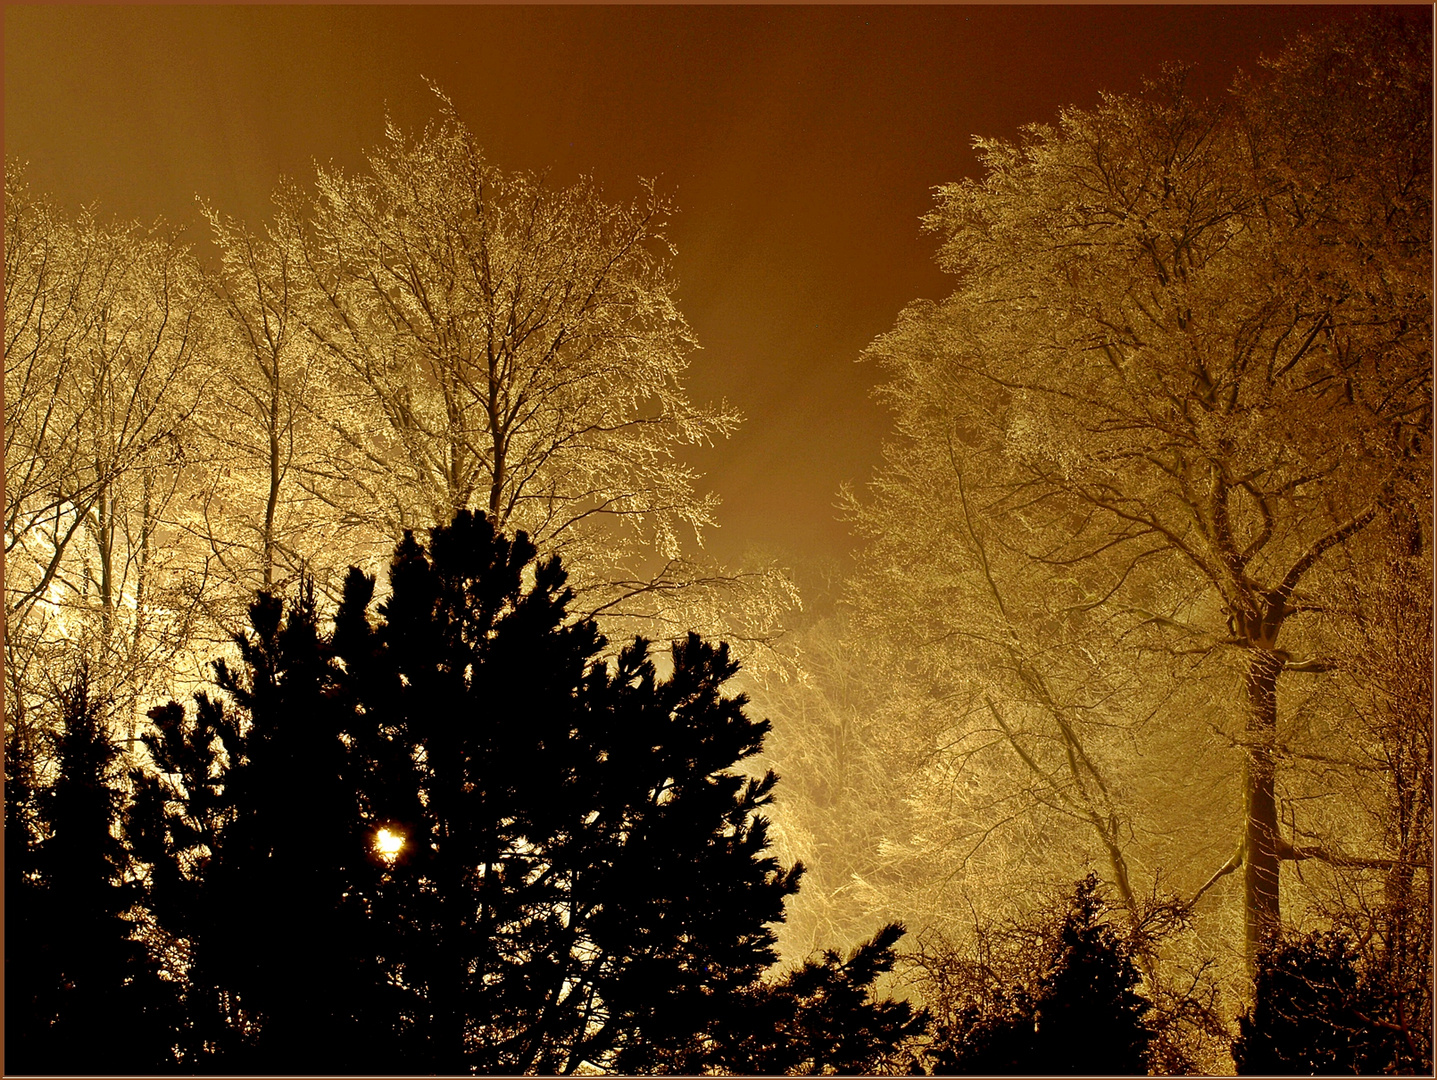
(1159, 455)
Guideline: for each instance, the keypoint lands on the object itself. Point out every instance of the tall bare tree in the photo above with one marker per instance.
(264, 434)
(491, 342)
(1176, 407)
(102, 381)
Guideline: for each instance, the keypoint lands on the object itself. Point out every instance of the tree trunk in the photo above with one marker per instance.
(498, 444)
(272, 498)
(1260, 851)
(105, 545)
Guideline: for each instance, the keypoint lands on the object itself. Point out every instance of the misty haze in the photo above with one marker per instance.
(714, 541)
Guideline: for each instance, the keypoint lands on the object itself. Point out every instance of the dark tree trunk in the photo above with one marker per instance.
(272, 499)
(1260, 841)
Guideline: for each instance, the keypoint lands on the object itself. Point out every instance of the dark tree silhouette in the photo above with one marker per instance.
(252, 832)
(82, 993)
(579, 867)
(817, 1020)
(1081, 1014)
(1316, 1014)
(451, 839)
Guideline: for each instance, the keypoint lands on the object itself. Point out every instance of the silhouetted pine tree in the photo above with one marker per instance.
(1314, 1014)
(1082, 1016)
(29, 1003)
(583, 877)
(580, 868)
(82, 993)
(251, 829)
(174, 827)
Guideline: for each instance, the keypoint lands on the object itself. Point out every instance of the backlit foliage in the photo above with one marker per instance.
(488, 341)
(1154, 455)
(430, 335)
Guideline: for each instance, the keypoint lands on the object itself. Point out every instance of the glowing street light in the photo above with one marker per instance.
(388, 844)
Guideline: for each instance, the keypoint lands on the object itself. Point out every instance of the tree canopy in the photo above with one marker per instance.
(487, 341)
(1145, 595)
(426, 335)
(1175, 413)
(449, 837)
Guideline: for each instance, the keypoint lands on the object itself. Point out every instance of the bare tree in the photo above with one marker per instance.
(491, 342)
(262, 528)
(1383, 690)
(1166, 420)
(102, 383)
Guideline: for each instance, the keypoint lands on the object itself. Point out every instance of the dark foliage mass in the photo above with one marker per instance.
(584, 879)
(1318, 1013)
(82, 995)
(583, 876)
(1069, 1005)
(817, 1021)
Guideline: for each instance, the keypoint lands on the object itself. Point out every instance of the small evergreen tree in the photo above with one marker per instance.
(1315, 1014)
(816, 1020)
(29, 1005)
(1075, 1009)
(82, 992)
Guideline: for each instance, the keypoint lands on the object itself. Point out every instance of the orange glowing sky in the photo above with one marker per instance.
(801, 143)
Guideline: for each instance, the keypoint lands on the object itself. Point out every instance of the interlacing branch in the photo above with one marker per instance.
(1293, 853)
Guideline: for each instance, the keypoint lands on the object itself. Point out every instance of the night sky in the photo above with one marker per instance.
(801, 144)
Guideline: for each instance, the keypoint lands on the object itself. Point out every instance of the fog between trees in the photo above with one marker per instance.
(1145, 578)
